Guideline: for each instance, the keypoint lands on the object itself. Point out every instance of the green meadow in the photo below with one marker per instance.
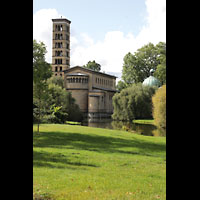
(74, 162)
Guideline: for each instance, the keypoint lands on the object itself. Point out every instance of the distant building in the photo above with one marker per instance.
(92, 90)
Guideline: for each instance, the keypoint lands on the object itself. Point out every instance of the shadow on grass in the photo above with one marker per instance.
(56, 160)
(101, 144)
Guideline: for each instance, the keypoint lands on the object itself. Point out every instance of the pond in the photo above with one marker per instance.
(143, 129)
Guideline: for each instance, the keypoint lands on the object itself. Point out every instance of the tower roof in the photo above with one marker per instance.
(61, 20)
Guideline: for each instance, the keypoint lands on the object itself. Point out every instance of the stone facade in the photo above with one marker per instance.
(92, 90)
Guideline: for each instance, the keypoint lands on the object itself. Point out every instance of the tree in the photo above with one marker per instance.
(41, 72)
(159, 107)
(93, 66)
(160, 72)
(62, 104)
(57, 80)
(120, 86)
(136, 67)
(134, 102)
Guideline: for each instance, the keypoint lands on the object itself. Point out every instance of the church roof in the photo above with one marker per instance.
(87, 70)
(77, 74)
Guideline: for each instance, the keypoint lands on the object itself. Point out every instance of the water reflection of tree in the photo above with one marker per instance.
(143, 129)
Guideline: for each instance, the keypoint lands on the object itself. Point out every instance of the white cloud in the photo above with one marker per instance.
(111, 50)
(42, 28)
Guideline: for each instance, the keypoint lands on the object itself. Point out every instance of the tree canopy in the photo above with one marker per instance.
(41, 72)
(93, 66)
(133, 102)
(136, 67)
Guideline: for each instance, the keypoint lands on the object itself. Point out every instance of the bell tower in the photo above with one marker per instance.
(60, 46)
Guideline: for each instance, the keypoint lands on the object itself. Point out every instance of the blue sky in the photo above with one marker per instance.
(102, 30)
(96, 17)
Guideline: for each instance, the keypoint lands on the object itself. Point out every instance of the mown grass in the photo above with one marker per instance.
(144, 121)
(85, 163)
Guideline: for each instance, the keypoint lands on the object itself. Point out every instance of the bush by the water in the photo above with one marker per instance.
(58, 97)
(159, 107)
(133, 103)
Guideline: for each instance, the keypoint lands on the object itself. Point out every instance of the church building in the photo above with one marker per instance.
(92, 90)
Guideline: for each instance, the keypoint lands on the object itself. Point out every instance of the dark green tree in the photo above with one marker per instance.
(93, 66)
(60, 98)
(133, 102)
(57, 80)
(160, 72)
(120, 86)
(41, 72)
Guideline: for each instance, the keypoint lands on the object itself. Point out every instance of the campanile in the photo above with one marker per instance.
(60, 46)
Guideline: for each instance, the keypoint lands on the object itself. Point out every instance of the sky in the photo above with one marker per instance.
(102, 30)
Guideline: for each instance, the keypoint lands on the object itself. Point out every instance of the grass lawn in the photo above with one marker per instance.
(144, 121)
(83, 163)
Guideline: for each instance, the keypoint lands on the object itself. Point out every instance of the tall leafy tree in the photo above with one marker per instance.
(160, 72)
(41, 72)
(93, 66)
(136, 67)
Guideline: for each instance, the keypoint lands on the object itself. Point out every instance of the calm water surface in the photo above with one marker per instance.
(143, 129)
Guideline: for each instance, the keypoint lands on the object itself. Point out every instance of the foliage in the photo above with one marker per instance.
(58, 116)
(57, 80)
(93, 66)
(41, 72)
(160, 73)
(133, 102)
(62, 105)
(136, 67)
(159, 107)
(121, 85)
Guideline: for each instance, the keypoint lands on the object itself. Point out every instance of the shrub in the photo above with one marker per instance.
(159, 107)
(69, 110)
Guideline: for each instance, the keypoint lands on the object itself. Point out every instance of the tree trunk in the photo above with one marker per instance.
(38, 127)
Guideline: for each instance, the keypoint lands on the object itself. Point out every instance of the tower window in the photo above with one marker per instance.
(61, 69)
(60, 28)
(58, 61)
(56, 69)
(67, 29)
